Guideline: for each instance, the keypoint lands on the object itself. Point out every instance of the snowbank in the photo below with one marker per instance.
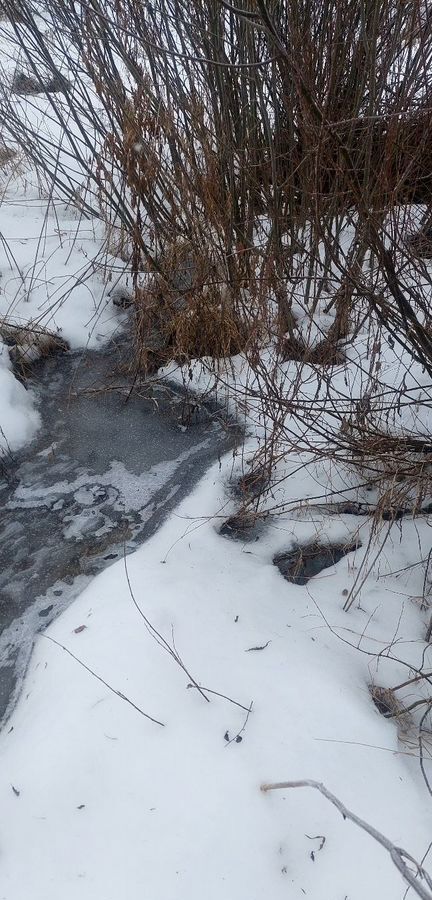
(19, 418)
(100, 802)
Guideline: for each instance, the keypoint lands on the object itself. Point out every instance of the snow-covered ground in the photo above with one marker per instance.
(100, 802)
(251, 679)
(97, 800)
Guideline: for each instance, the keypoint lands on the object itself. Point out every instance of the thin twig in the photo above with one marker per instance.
(102, 680)
(157, 636)
(239, 733)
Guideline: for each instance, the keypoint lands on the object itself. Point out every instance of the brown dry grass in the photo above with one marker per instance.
(203, 327)
(7, 156)
(189, 312)
(389, 706)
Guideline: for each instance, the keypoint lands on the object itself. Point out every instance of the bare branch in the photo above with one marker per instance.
(398, 855)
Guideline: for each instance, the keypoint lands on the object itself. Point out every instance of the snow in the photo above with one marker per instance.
(52, 268)
(105, 803)
(51, 265)
(19, 418)
(111, 804)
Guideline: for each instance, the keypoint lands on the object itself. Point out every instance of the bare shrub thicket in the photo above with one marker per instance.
(266, 170)
(264, 167)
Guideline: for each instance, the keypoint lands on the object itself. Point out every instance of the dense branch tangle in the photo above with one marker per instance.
(249, 136)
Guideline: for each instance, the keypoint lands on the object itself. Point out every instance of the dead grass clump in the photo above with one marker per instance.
(252, 485)
(207, 328)
(390, 707)
(28, 84)
(323, 354)
(398, 467)
(244, 526)
(7, 156)
(203, 328)
(188, 311)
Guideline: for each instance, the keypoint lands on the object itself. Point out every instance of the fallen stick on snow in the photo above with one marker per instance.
(398, 855)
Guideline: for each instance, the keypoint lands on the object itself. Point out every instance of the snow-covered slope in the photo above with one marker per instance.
(99, 802)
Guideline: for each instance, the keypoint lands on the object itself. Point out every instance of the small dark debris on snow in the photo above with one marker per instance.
(317, 837)
(237, 739)
(80, 629)
(15, 790)
(263, 646)
(81, 806)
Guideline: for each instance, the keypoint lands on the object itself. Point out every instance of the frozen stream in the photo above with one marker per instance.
(103, 471)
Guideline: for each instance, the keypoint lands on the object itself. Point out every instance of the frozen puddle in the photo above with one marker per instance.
(99, 478)
(300, 564)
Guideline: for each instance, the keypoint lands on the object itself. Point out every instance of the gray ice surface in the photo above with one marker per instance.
(104, 470)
